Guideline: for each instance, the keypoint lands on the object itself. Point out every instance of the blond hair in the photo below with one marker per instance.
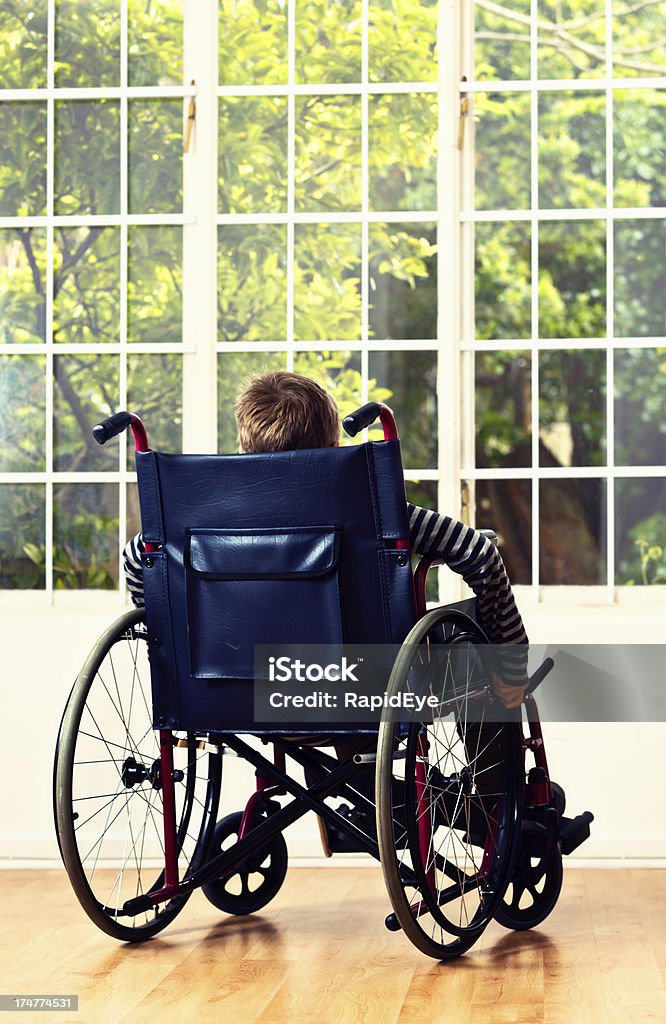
(278, 411)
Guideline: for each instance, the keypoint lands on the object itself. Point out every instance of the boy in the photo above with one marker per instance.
(280, 411)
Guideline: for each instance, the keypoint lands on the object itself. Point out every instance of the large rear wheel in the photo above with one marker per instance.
(449, 789)
(107, 791)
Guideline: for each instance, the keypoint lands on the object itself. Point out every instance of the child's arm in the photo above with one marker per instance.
(133, 569)
(480, 564)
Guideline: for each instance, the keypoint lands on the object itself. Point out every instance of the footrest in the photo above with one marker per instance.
(574, 831)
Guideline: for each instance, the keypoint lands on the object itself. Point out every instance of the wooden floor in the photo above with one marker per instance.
(320, 953)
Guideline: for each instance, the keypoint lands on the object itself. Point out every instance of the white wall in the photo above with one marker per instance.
(615, 770)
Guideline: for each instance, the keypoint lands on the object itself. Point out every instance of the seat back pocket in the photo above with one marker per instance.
(248, 587)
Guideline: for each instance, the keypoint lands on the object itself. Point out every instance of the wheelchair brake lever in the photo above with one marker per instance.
(538, 677)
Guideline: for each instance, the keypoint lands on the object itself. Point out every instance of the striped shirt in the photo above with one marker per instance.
(446, 541)
(474, 557)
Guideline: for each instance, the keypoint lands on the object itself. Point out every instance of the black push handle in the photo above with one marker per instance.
(111, 427)
(361, 418)
(540, 675)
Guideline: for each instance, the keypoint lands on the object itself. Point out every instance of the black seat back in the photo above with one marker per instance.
(294, 547)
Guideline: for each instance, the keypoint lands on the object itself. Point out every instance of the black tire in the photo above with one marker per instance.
(107, 791)
(530, 897)
(471, 797)
(256, 879)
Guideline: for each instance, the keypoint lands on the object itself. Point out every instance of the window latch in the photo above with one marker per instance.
(464, 109)
(465, 500)
(191, 118)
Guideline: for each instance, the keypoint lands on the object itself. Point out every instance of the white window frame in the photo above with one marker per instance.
(455, 219)
(608, 593)
(122, 220)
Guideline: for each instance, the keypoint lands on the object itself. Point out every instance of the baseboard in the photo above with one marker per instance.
(351, 860)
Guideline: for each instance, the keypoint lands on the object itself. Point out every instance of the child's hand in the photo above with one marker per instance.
(511, 696)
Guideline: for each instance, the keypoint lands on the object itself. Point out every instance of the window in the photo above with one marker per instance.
(327, 207)
(565, 327)
(91, 201)
(315, 223)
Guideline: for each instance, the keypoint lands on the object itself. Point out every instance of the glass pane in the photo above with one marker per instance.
(22, 536)
(327, 282)
(640, 273)
(572, 408)
(252, 161)
(87, 43)
(155, 151)
(422, 493)
(640, 532)
(22, 413)
(408, 382)
(502, 280)
(403, 281)
(403, 151)
(86, 391)
(572, 149)
(505, 506)
(86, 285)
(87, 135)
(403, 41)
(253, 42)
(327, 169)
(502, 391)
(85, 531)
(155, 393)
(22, 159)
(572, 38)
(155, 42)
(572, 279)
(328, 41)
(23, 28)
(502, 40)
(22, 285)
(572, 521)
(639, 147)
(154, 284)
(639, 40)
(233, 369)
(340, 374)
(640, 401)
(252, 283)
(502, 151)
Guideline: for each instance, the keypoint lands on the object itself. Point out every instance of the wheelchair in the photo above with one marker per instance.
(297, 547)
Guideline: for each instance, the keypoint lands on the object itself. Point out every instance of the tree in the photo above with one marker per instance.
(572, 280)
(328, 264)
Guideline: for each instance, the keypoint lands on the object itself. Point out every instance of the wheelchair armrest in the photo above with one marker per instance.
(420, 574)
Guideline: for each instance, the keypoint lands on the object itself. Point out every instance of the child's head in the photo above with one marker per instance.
(279, 411)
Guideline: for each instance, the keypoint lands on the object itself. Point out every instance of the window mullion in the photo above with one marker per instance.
(291, 182)
(123, 241)
(199, 231)
(365, 205)
(449, 254)
(534, 261)
(49, 286)
(610, 316)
